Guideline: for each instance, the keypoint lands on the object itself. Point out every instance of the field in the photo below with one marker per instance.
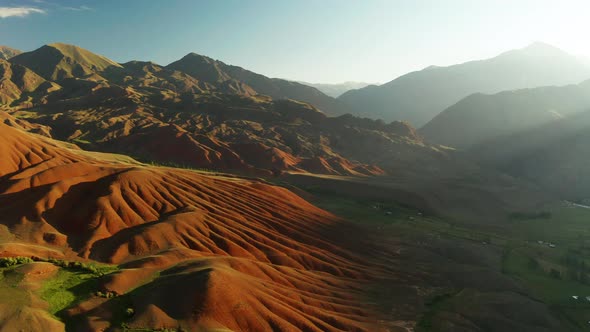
(545, 254)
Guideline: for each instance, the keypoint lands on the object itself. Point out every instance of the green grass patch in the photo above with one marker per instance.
(68, 288)
(9, 292)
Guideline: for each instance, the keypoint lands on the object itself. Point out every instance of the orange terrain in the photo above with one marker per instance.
(195, 250)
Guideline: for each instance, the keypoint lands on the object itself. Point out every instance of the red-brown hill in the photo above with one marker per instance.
(239, 253)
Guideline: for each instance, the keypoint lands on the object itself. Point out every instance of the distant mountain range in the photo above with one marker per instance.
(200, 112)
(337, 89)
(555, 155)
(7, 52)
(419, 96)
(540, 135)
(480, 117)
(197, 112)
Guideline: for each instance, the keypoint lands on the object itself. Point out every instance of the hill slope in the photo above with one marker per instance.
(480, 117)
(555, 155)
(20, 83)
(419, 96)
(218, 241)
(7, 52)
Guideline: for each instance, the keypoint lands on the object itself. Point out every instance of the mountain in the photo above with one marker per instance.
(20, 83)
(214, 71)
(337, 89)
(163, 238)
(7, 52)
(555, 155)
(59, 61)
(479, 117)
(419, 96)
(168, 115)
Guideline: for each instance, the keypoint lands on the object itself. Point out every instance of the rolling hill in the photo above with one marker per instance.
(419, 96)
(479, 118)
(221, 240)
(181, 247)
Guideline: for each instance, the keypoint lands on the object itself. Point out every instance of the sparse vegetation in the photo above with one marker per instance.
(12, 261)
(73, 282)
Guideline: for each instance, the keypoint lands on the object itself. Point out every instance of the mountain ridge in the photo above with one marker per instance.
(482, 117)
(211, 70)
(419, 96)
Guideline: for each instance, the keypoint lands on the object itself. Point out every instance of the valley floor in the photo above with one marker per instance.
(452, 276)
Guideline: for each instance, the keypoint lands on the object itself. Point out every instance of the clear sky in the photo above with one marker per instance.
(322, 41)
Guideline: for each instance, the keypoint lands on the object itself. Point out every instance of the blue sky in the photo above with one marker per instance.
(310, 40)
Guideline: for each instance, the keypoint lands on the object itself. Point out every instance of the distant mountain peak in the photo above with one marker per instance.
(542, 48)
(58, 61)
(193, 55)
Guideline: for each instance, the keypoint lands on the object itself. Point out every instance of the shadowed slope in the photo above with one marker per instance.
(18, 82)
(480, 118)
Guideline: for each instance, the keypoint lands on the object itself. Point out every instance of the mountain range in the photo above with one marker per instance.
(204, 196)
(419, 96)
(480, 117)
(125, 108)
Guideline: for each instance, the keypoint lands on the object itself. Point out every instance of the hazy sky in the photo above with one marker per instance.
(309, 40)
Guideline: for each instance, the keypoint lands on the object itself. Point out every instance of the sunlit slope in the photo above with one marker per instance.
(240, 79)
(290, 264)
(8, 52)
(60, 61)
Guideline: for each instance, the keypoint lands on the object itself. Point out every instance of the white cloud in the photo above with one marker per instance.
(78, 9)
(19, 11)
